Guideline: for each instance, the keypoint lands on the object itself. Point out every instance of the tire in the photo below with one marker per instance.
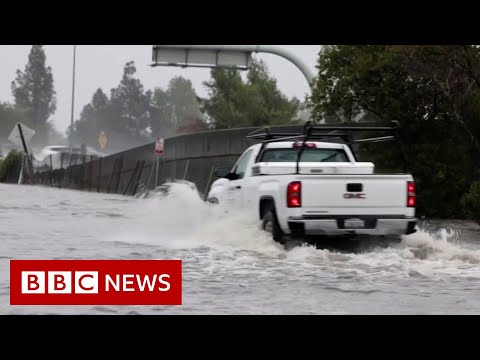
(270, 225)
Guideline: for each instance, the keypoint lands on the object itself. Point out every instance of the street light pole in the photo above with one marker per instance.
(73, 97)
(182, 59)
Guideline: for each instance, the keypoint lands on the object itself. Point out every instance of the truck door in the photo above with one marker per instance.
(235, 188)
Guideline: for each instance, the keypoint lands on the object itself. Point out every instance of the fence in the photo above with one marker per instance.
(191, 157)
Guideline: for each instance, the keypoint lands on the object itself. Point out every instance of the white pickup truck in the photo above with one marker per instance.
(297, 186)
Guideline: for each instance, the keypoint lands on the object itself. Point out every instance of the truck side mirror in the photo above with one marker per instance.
(222, 172)
(231, 176)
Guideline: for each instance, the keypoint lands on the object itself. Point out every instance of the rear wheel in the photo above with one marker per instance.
(270, 225)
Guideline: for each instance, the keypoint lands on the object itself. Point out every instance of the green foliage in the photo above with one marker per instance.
(433, 90)
(35, 101)
(160, 112)
(130, 103)
(10, 166)
(45, 134)
(9, 116)
(471, 202)
(33, 88)
(257, 101)
(133, 116)
(124, 117)
(176, 110)
(182, 100)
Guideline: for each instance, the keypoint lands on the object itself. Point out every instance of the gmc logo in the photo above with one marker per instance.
(354, 196)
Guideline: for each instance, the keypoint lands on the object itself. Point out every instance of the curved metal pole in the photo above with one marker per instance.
(306, 71)
(272, 49)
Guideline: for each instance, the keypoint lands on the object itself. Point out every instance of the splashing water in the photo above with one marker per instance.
(180, 219)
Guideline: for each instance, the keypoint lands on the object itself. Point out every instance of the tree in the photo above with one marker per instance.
(94, 118)
(257, 101)
(131, 104)
(161, 122)
(226, 99)
(124, 117)
(272, 107)
(33, 88)
(183, 101)
(432, 90)
(176, 110)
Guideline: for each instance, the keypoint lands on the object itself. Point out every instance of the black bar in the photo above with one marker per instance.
(268, 136)
(354, 128)
(111, 175)
(300, 155)
(138, 177)
(131, 178)
(378, 139)
(23, 139)
(90, 175)
(51, 170)
(99, 173)
(29, 162)
(68, 171)
(119, 174)
(83, 172)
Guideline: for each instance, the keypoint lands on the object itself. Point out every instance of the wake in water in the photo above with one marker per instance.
(176, 217)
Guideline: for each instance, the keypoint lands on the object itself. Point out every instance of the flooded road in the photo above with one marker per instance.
(232, 267)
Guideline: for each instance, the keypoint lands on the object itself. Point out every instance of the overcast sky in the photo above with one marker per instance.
(102, 66)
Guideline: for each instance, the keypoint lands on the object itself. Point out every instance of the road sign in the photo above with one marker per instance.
(218, 56)
(223, 56)
(102, 140)
(159, 146)
(15, 136)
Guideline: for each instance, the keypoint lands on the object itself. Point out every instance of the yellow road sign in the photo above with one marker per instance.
(102, 140)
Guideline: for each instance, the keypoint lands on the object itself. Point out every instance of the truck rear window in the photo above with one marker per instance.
(308, 155)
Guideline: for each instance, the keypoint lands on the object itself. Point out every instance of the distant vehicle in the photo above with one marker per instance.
(62, 156)
(297, 186)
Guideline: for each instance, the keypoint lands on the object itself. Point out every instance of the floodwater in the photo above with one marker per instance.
(230, 266)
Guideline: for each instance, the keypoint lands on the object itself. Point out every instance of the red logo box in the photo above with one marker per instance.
(95, 282)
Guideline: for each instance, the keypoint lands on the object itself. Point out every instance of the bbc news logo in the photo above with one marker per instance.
(95, 282)
(59, 282)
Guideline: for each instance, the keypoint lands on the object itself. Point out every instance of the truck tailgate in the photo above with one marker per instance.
(354, 191)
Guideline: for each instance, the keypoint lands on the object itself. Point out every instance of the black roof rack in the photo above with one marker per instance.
(320, 132)
(329, 132)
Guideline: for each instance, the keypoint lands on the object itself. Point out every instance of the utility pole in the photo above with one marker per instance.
(73, 97)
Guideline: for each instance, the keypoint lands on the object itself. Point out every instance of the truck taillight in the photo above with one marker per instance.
(294, 194)
(411, 196)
